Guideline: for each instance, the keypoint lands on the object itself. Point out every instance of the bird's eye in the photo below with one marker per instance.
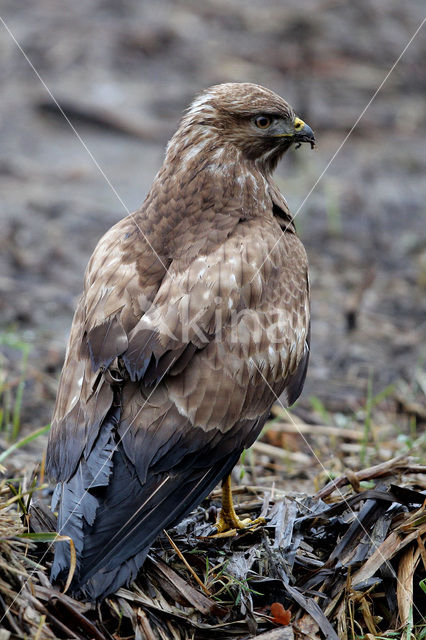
(262, 122)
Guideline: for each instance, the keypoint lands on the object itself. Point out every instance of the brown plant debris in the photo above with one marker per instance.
(338, 570)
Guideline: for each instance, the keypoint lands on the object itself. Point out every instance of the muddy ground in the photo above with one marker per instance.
(123, 71)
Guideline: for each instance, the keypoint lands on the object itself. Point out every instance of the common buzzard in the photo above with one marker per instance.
(194, 317)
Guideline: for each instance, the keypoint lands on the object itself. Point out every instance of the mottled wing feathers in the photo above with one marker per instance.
(236, 359)
(114, 298)
(235, 315)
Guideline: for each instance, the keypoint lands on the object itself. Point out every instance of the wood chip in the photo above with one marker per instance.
(404, 589)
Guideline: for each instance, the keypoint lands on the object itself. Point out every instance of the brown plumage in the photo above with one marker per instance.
(194, 316)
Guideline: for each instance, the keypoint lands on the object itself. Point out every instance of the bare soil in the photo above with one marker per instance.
(124, 71)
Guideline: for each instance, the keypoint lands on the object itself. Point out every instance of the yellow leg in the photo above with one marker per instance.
(228, 519)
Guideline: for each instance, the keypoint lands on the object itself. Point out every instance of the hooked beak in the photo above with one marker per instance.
(303, 132)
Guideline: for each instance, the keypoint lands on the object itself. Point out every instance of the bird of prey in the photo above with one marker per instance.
(193, 319)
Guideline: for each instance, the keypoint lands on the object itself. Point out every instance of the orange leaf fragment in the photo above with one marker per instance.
(279, 614)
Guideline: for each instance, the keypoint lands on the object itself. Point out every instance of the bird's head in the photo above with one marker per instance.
(252, 119)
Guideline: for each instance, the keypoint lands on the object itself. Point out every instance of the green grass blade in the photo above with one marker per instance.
(24, 441)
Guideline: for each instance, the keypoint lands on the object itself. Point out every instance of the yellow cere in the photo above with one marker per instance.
(298, 124)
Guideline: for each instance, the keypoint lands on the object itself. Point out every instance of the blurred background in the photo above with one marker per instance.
(123, 71)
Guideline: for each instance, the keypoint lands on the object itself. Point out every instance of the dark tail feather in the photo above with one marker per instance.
(115, 524)
(132, 516)
(77, 498)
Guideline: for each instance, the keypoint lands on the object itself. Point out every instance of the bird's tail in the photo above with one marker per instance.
(113, 518)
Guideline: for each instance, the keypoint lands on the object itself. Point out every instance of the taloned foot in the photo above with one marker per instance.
(228, 523)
